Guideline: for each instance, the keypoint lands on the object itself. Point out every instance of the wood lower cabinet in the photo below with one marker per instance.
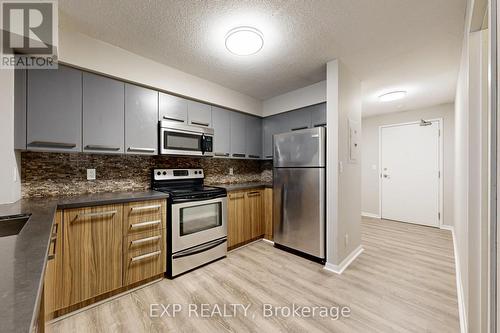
(53, 271)
(144, 256)
(245, 217)
(268, 214)
(93, 252)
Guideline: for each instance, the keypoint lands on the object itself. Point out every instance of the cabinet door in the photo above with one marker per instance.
(235, 219)
(254, 214)
(318, 115)
(268, 213)
(141, 120)
(144, 256)
(103, 114)
(54, 110)
(298, 119)
(53, 272)
(221, 122)
(254, 137)
(92, 252)
(271, 125)
(173, 108)
(238, 135)
(199, 114)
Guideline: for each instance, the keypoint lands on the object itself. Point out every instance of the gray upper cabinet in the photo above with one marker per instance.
(173, 108)
(318, 115)
(221, 122)
(238, 135)
(54, 110)
(254, 137)
(103, 114)
(141, 120)
(199, 114)
(298, 119)
(270, 127)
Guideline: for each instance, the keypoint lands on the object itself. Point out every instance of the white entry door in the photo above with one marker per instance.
(410, 173)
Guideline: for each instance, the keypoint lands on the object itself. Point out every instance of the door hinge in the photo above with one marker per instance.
(439, 216)
(439, 174)
(439, 132)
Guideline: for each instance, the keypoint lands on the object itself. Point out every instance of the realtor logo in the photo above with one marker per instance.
(29, 34)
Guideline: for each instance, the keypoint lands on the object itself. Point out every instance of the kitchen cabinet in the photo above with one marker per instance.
(141, 120)
(297, 120)
(254, 137)
(53, 271)
(172, 108)
(144, 256)
(221, 122)
(54, 110)
(144, 216)
(245, 217)
(268, 213)
(238, 135)
(103, 114)
(93, 252)
(318, 115)
(199, 114)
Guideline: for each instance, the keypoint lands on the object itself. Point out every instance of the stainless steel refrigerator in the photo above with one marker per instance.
(299, 192)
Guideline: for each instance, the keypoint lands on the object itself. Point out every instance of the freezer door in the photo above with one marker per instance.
(299, 209)
(303, 148)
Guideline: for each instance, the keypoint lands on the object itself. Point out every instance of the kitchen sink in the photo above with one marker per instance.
(13, 224)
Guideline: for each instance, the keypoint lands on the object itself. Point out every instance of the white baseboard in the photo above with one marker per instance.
(460, 288)
(339, 269)
(373, 216)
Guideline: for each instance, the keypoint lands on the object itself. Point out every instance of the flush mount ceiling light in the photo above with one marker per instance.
(244, 41)
(392, 96)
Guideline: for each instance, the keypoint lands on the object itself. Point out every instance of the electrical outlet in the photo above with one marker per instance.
(91, 174)
(231, 171)
(346, 240)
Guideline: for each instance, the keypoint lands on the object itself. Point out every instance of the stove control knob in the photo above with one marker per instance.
(164, 173)
(158, 173)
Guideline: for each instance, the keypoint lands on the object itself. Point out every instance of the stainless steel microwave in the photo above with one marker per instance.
(181, 139)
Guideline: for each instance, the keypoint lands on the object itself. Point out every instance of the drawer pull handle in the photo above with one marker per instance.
(221, 154)
(236, 196)
(239, 155)
(253, 194)
(269, 156)
(111, 212)
(253, 156)
(145, 256)
(53, 240)
(320, 125)
(102, 147)
(173, 119)
(199, 123)
(145, 207)
(141, 150)
(144, 224)
(299, 128)
(47, 144)
(144, 240)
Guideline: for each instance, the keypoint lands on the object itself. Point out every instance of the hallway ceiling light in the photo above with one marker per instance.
(392, 96)
(244, 41)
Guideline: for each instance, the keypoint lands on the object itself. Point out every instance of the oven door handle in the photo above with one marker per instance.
(176, 201)
(199, 249)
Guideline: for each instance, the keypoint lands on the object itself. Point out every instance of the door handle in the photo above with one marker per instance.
(386, 176)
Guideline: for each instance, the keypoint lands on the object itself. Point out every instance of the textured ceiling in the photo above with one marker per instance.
(413, 44)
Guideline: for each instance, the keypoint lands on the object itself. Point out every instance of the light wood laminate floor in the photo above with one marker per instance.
(404, 281)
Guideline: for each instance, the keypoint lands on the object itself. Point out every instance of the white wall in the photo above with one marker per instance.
(92, 54)
(310, 95)
(370, 153)
(343, 183)
(10, 185)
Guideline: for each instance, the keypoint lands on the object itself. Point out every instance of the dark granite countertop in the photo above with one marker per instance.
(244, 186)
(24, 256)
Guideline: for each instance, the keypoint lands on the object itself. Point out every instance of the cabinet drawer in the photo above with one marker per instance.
(144, 216)
(144, 256)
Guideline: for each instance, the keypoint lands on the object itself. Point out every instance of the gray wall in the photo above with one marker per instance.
(370, 154)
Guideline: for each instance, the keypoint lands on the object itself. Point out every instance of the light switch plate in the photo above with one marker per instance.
(91, 174)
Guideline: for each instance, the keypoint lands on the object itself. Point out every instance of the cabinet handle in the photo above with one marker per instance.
(145, 256)
(48, 144)
(101, 147)
(236, 196)
(299, 128)
(145, 207)
(253, 156)
(53, 240)
(269, 156)
(141, 150)
(99, 214)
(144, 240)
(320, 125)
(144, 224)
(239, 155)
(199, 123)
(253, 194)
(173, 119)
(221, 154)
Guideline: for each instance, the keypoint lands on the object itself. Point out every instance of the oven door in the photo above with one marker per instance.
(198, 222)
(179, 142)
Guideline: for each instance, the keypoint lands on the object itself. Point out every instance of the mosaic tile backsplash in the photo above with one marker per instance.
(50, 174)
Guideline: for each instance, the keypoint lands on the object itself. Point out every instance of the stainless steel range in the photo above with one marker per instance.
(196, 219)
